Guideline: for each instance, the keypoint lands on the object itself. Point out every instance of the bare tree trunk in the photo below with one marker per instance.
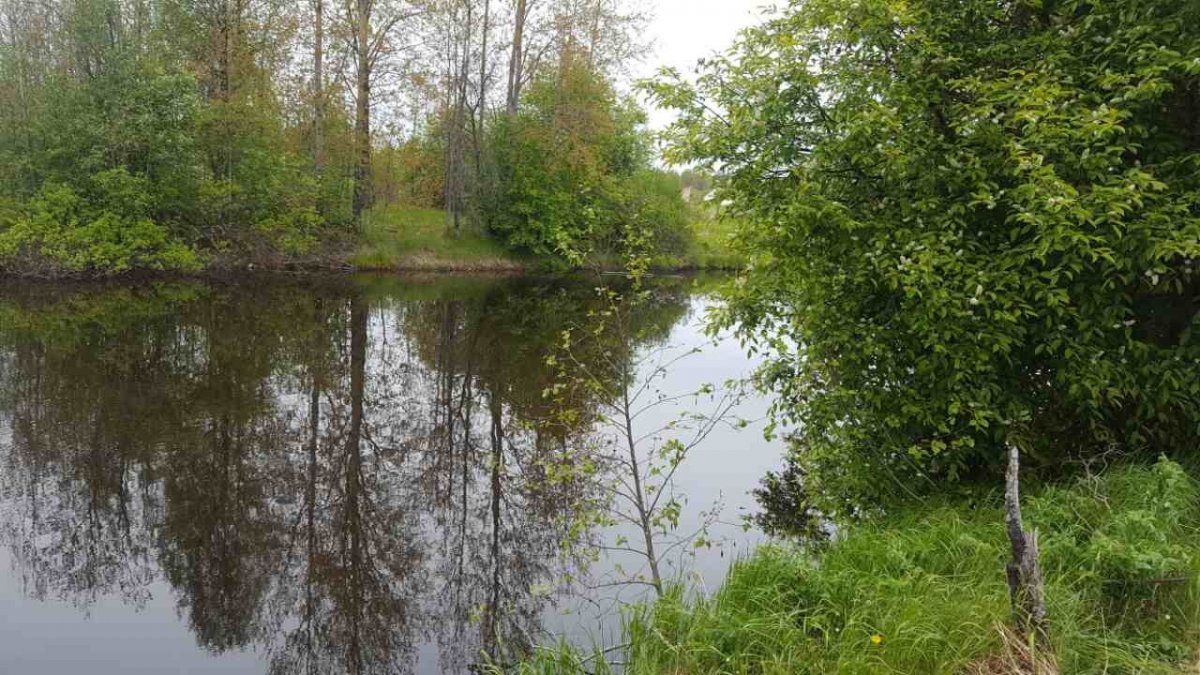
(230, 25)
(645, 514)
(516, 66)
(319, 84)
(225, 84)
(450, 90)
(1024, 570)
(362, 115)
(482, 103)
(459, 65)
(594, 33)
(140, 20)
(460, 123)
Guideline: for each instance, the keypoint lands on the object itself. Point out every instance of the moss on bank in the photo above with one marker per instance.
(925, 592)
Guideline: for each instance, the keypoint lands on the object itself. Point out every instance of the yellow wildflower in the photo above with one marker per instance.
(877, 639)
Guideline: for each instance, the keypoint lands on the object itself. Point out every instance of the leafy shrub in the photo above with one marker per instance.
(295, 233)
(108, 233)
(155, 167)
(653, 207)
(10, 210)
(572, 176)
(412, 173)
(135, 115)
(971, 224)
(269, 207)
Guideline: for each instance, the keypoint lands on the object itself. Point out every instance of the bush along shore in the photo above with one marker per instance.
(923, 591)
(395, 238)
(415, 239)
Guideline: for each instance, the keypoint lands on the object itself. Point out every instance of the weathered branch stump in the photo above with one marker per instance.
(1025, 587)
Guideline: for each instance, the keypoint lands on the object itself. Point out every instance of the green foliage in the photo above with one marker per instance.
(969, 224)
(270, 201)
(135, 114)
(245, 161)
(416, 239)
(654, 200)
(928, 585)
(206, 161)
(572, 174)
(105, 232)
(412, 173)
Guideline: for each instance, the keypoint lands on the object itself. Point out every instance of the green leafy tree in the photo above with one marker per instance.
(971, 224)
(133, 133)
(573, 175)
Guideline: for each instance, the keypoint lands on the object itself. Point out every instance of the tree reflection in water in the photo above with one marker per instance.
(334, 473)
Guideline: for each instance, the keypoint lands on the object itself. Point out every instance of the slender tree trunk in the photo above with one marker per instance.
(362, 116)
(594, 33)
(460, 122)
(516, 66)
(319, 84)
(483, 66)
(450, 89)
(140, 27)
(112, 20)
(645, 517)
(230, 24)
(22, 49)
(1024, 570)
(225, 83)
(456, 134)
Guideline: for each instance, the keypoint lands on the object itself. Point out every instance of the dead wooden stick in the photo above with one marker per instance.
(1025, 587)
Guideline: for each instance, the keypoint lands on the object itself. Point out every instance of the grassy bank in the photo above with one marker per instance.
(416, 239)
(925, 592)
(406, 238)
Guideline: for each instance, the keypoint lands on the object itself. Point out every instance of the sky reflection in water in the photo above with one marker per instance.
(320, 476)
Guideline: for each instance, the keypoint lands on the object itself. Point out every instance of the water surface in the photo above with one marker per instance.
(330, 476)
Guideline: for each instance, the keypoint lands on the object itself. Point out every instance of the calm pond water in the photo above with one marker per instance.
(368, 475)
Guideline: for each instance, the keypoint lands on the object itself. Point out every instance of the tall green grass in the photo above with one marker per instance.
(925, 592)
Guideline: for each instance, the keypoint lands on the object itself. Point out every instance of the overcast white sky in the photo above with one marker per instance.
(684, 31)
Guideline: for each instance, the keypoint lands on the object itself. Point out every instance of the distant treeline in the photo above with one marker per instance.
(175, 135)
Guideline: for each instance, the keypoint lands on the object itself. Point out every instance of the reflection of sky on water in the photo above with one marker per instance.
(722, 471)
(155, 468)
